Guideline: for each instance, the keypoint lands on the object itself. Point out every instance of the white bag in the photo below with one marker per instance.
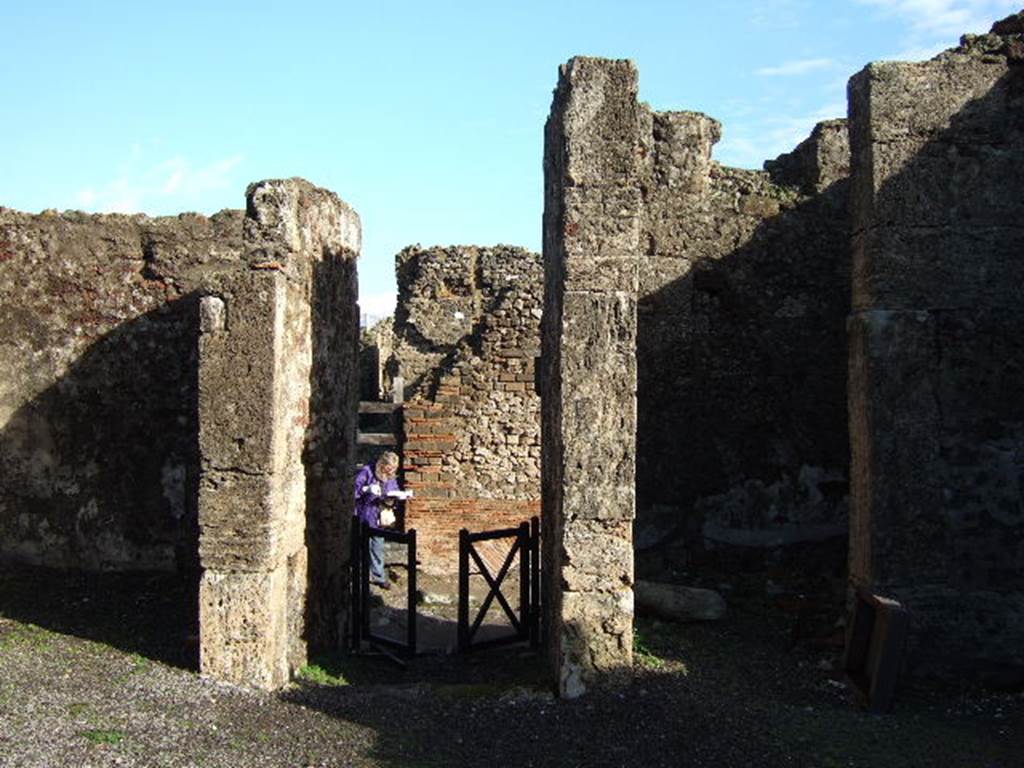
(387, 517)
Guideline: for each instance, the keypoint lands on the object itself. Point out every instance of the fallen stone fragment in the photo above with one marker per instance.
(678, 603)
(433, 598)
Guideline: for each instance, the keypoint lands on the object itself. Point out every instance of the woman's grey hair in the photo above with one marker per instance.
(388, 459)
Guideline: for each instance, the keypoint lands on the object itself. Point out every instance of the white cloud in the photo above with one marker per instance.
(174, 181)
(934, 25)
(925, 27)
(777, 14)
(216, 175)
(740, 151)
(121, 196)
(772, 135)
(159, 186)
(918, 53)
(801, 67)
(376, 306)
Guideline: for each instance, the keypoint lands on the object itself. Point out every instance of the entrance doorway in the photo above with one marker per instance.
(493, 599)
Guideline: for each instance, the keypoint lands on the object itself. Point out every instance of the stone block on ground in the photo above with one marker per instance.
(678, 603)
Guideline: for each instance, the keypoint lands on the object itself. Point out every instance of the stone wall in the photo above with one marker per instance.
(936, 351)
(744, 275)
(278, 386)
(741, 282)
(98, 454)
(121, 437)
(376, 346)
(592, 225)
(466, 335)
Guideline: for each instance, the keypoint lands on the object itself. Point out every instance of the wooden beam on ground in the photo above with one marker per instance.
(376, 438)
(376, 406)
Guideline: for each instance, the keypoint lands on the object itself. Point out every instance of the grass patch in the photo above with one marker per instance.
(655, 647)
(102, 736)
(26, 635)
(140, 664)
(643, 654)
(314, 673)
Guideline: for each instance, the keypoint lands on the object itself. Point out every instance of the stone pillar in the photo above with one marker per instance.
(936, 362)
(277, 382)
(591, 248)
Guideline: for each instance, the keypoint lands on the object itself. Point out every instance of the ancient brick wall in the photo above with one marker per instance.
(744, 276)
(98, 455)
(936, 351)
(466, 335)
(277, 387)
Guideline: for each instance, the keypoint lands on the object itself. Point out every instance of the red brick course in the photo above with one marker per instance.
(438, 521)
(437, 511)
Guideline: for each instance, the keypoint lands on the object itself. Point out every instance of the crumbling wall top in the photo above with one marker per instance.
(445, 294)
(817, 162)
(287, 217)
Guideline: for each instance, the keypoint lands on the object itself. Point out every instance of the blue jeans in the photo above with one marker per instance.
(377, 572)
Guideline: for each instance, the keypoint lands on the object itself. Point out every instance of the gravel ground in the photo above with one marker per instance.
(95, 671)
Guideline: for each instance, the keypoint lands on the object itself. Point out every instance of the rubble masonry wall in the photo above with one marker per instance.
(466, 335)
(98, 456)
(744, 276)
(124, 444)
(741, 351)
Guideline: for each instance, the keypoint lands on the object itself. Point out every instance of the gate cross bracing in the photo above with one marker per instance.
(484, 549)
(525, 623)
(361, 629)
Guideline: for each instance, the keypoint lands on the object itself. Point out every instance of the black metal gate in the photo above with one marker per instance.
(360, 628)
(525, 623)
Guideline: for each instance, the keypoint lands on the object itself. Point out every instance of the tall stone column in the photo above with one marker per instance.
(277, 381)
(591, 249)
(936, 362)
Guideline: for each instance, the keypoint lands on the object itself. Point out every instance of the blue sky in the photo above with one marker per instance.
(427, 117)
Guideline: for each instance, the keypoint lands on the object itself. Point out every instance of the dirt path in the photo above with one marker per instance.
(94, 672)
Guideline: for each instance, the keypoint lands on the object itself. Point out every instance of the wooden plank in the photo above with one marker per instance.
(376, 438)
(503, 533)
(410, 569)
(463, 624)
(875, 645)
(375, 406)
(390, 534)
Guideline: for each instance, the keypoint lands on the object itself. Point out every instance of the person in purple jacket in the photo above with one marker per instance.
(373, 483)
